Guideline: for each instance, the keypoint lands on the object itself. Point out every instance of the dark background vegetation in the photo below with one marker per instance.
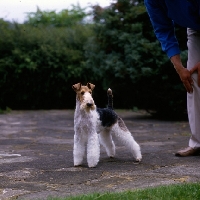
(110, 47)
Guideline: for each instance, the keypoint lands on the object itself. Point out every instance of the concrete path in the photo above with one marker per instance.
(36, 158)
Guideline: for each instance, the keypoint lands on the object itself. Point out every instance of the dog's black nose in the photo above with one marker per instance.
(89, 104)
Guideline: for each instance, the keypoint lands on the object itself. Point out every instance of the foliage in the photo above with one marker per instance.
(5, 111)
(42, 58)
(64, 18)
(38, 65)
(127, 57)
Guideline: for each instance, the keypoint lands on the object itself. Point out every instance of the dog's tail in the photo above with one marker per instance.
(110, 99)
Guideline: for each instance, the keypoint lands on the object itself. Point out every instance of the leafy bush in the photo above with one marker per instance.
(127, 57)
(38, 65)
(65, 18)
(41, 59)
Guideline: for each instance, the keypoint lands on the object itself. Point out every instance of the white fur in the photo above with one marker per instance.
(87, 126)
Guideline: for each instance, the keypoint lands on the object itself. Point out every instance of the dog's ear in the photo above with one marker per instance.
(76, 87)
(90, 86)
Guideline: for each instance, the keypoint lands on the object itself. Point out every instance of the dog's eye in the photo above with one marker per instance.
(82, 92)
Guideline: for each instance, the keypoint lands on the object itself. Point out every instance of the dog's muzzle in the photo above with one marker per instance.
(89, 105)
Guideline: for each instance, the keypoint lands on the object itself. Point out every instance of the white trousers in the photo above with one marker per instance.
(193, 99)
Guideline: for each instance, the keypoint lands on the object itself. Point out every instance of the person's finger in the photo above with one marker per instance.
(188, 89)
(190, 80)
(188, 86)
(195, 68)
(198, 75)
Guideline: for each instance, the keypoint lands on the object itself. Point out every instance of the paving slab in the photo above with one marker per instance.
(36, 156)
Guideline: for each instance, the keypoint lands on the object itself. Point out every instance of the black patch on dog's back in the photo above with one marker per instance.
(108, 117)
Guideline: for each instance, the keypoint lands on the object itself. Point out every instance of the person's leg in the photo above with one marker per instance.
(193, 99)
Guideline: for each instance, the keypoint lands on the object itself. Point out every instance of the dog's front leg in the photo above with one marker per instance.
(79, 147)
(105, 139)
(93, 149)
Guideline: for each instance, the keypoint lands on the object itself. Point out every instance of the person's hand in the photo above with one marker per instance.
(184, 73)
(196, 68)
(185, 76)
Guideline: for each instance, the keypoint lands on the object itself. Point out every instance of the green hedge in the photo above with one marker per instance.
(39, 63)
(128, 58)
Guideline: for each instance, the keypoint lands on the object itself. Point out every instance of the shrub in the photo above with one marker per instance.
(38, 65)
(127, 57)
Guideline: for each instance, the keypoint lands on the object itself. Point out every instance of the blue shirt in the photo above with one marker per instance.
(164, 13)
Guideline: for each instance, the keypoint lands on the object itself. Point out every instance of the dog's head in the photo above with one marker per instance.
(84, 95)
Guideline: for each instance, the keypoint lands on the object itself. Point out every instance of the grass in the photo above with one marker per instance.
(185, 191)
(7, 110)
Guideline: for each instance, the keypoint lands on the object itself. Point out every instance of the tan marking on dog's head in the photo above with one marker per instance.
(82, 89)
(76, 87)
(90, 86)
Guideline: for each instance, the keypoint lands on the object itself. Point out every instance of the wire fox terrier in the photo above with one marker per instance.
(94, 126)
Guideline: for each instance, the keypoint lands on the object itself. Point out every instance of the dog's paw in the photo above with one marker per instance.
(77, 165)
(138, 159)
(92, 166)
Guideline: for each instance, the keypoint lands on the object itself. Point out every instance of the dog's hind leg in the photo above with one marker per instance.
(123, 135)
(105, 139)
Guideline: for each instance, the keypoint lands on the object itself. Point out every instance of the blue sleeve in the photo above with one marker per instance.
(163, 27)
